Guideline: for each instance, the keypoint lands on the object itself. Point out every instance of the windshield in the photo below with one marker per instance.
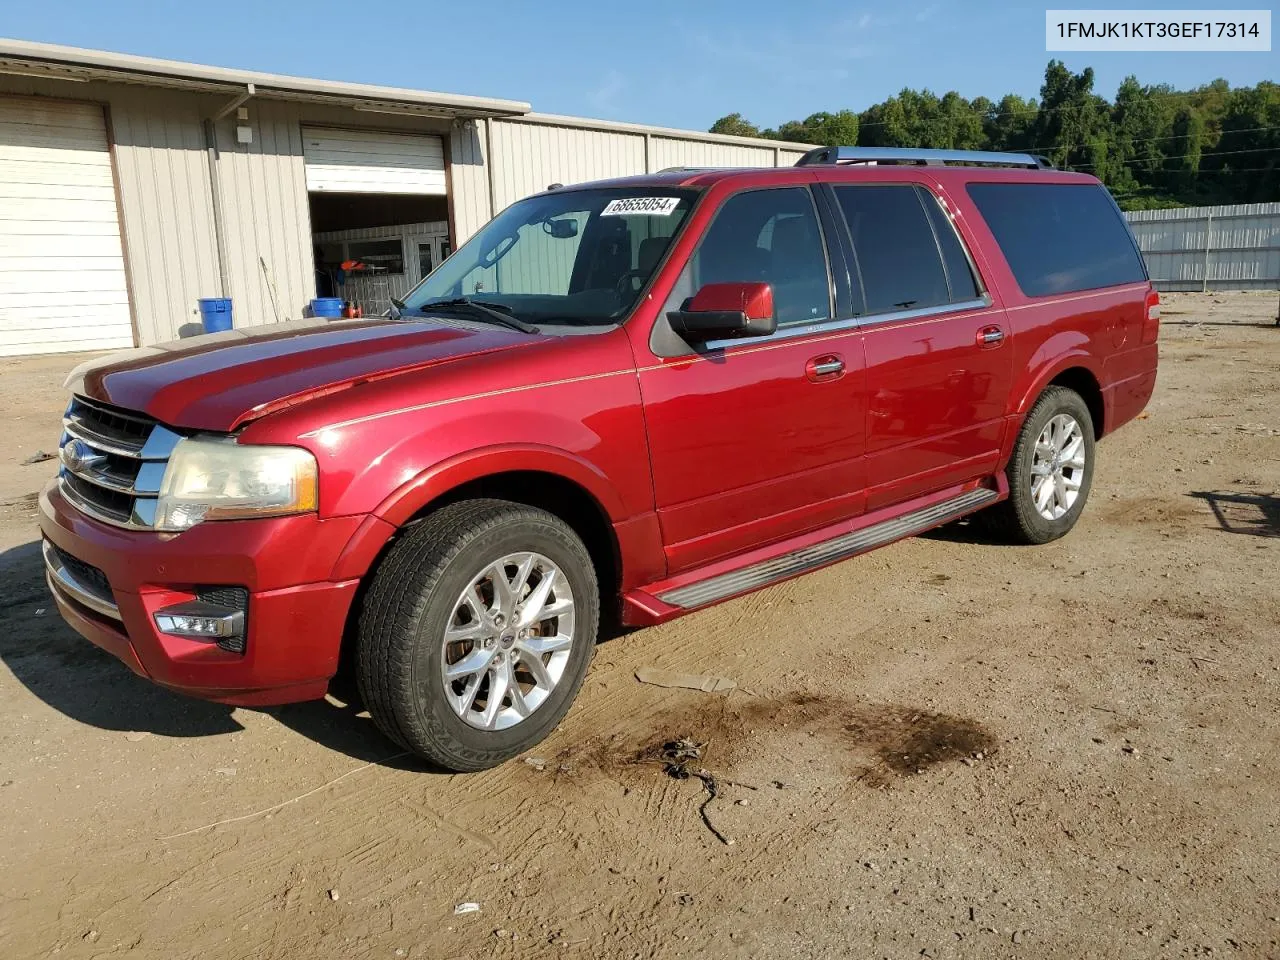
(570, 256)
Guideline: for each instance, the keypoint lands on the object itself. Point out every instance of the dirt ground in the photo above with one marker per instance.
(946, 748)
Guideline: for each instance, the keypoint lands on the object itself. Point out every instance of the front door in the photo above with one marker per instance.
(939, 361)
(754, 441)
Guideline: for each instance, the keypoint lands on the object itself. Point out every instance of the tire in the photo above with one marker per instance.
(1020, 519)
(441, 575)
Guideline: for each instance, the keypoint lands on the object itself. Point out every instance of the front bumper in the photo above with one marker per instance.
(296, 614)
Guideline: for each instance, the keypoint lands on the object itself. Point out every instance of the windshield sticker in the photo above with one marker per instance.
(646, 206)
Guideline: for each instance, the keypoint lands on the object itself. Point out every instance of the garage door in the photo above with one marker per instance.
(357, 161)
(61, 263)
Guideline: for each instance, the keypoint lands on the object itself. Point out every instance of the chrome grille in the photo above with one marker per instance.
(113, 461)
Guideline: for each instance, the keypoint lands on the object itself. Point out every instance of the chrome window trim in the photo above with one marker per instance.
(871, 320)
(951, 217)
(60, 579)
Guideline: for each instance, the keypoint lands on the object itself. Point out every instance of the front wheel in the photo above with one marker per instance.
(1050, 472)
(476, 632)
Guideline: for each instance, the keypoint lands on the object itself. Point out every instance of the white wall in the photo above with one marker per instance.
(167, 207)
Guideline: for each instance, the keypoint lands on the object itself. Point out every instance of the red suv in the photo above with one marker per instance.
(630, 399)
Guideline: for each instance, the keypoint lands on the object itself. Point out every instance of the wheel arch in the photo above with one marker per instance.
(1075, 373)
(565, 485)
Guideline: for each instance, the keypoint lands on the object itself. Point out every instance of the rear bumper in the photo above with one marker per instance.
(296, 614)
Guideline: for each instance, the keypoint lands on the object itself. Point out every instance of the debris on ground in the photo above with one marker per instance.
(687, 681)
(537, 763)
(676, 757)
(469, 907)
(334, 895)
(40, 456)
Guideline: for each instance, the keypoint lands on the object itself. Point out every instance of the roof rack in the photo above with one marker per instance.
(911, 155)
(693, 169)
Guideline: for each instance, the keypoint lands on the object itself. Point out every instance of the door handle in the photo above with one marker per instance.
(990, 336)
(824, 368)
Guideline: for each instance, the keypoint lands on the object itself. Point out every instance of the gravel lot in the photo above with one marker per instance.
(944, 749)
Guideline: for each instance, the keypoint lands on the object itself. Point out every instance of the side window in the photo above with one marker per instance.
(897, 253)
(960, 278)
(1059, 237)
(769, 236)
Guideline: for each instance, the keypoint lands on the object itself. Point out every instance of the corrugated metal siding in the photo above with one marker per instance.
(530, 156)
(265, 215)
(166, 202)
(1233, 247)
(690, 153)
(162, 175)
(468, 179)
(788, 158)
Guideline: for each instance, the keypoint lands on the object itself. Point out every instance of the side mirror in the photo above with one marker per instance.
(722, 310)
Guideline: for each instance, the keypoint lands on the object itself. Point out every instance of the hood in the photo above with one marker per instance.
(220, 381)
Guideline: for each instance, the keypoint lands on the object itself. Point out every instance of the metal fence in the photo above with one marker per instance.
(1211, 248)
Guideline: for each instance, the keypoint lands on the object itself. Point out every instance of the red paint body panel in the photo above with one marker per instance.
(753, 299)
(296, 613)
(700, 463)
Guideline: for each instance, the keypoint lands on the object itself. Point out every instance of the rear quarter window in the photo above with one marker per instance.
(1059, 238)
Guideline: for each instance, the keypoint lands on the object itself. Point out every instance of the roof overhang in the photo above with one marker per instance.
(51, 61)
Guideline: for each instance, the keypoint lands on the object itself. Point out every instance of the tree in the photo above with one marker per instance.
(735, 125)
(1152, 146)
(1009, 125)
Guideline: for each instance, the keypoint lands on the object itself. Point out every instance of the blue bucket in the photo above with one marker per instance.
(326, 307)
(215, 314)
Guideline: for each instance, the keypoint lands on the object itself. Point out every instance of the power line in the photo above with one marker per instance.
(1214, 153)
(1175, 136)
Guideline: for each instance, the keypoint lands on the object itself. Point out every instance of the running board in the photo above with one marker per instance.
(828, 551)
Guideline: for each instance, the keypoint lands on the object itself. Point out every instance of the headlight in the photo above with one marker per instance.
(222, 480)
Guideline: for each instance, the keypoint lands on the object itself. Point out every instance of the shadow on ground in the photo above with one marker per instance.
(77, 679)
(1256, 514)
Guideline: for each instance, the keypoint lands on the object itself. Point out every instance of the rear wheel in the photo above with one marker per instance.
(477, 631)
(1050, 472)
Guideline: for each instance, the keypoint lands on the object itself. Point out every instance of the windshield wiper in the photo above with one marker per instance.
(493, 311)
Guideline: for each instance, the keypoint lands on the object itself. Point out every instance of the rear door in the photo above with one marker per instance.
(937, 351)
(755, 440)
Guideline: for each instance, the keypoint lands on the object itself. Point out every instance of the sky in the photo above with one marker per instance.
(666, 62)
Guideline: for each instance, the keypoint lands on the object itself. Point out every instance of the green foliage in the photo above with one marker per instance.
(1153, 146)
(734, 125)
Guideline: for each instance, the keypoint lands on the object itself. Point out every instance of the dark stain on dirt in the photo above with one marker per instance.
(877, 743)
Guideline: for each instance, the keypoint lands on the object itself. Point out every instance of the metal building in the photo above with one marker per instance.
(130, 187)
(1234, 247)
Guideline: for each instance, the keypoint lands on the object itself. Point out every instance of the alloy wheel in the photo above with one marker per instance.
(508, 641)
(1058, 466)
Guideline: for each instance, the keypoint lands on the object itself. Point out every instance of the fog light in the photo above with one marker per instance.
(201, 620)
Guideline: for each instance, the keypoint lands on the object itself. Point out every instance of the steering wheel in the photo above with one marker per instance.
(622, 287)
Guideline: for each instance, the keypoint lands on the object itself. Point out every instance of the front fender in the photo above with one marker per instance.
(414, 494)
(442, 477)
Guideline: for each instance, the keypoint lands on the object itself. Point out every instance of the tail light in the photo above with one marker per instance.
(1151, 324)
